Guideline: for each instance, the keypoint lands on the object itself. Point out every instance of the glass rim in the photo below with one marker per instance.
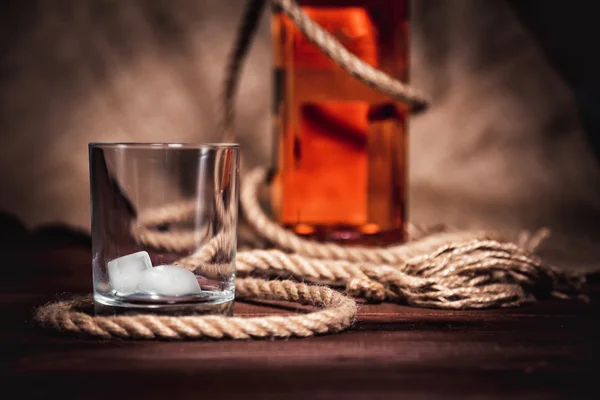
(161, 145)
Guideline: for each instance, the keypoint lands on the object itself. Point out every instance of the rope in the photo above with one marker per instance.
(447, 270)
(338, 312)
(245, 34)
(451, 270)
(443, 269)
(416, 100)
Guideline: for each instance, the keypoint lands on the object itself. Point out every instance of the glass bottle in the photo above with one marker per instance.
(340, 150)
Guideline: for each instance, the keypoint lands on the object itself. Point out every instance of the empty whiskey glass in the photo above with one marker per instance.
(164, 219)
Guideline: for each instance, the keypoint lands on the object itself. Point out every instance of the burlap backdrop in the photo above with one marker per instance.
(501, 147)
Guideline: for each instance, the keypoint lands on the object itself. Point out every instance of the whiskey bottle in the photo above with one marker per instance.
(340, 149)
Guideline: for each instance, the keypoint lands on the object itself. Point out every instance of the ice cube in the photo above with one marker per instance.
(124, 272)
(169, 280)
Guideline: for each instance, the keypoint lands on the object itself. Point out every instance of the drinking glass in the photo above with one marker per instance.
(164, 219)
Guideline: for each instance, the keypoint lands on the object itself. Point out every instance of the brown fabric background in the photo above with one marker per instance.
(501, 147)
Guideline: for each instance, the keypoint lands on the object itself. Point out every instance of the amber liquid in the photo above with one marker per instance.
(341, 165)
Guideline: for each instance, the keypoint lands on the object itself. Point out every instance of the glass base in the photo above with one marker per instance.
(104, 305)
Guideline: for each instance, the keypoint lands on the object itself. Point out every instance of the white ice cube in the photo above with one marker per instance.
(169, 280)
(124, 272)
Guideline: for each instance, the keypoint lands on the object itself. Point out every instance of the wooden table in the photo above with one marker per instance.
(547, 350)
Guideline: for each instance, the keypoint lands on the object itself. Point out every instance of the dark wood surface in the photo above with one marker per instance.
(547, 350)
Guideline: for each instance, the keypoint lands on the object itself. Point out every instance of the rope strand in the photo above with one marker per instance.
(338, 312)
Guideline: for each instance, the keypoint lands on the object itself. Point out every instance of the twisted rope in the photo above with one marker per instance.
(415, 99)
(443, 269)
(451, 270)
(338, 312)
